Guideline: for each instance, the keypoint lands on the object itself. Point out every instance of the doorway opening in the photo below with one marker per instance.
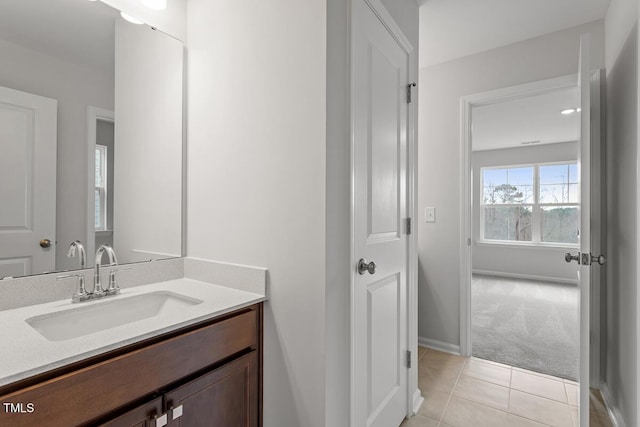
(524, 218)
(529, 220)
(552, 268)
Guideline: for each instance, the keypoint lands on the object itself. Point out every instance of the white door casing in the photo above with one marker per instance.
(28, 132)
(380, 192)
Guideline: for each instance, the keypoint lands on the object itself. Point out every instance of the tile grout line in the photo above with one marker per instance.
(566, 394)
(440, 421)
(520, 391)
(509, 398)
(446, 406)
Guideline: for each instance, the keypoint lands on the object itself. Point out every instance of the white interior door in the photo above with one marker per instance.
(28, 126)
(584, 257)
(380, 78)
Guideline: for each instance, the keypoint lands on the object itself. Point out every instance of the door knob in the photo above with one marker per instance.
(363, 267)
(585, 259)
(45, 243)
(568, 257)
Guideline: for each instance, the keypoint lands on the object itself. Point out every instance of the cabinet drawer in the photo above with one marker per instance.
(140, 416)
(85, 394)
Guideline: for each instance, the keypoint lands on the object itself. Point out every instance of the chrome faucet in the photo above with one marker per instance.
(81, 293)
(113, 261)
(82, 255)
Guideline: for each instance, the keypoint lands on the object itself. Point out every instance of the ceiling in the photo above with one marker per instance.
(451, 29)
(77, 31)
(534, 118)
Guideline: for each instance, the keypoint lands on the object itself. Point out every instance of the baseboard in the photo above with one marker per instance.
(439, 345)
(614, 412)
(417, 401)
(526, 277)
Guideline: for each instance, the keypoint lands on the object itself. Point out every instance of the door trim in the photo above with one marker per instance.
(414, 396)
(93, 115)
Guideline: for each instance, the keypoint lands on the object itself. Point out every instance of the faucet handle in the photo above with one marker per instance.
(113, 288)
(81, 293)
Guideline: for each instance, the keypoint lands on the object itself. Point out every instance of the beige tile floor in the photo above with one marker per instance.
(470, 392)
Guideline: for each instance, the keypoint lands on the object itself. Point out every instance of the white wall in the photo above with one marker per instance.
(256, 177)
(172, 20)
(542, 262)
(338, 269)
(621, 16)
(441, 87)
(147, 222)
(622, 369)
(74, 87)
(269, 182)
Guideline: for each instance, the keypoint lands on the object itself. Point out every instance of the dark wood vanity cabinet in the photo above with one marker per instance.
(224, 397)
(208, 374)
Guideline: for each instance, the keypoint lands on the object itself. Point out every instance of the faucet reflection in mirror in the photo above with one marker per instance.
(82, 255)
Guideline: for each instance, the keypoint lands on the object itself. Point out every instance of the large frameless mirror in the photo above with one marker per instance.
(91, 113)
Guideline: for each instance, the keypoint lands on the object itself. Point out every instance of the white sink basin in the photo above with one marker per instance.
(107, 314)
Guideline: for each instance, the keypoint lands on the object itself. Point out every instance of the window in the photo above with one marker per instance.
(101, 188)
(534, 203)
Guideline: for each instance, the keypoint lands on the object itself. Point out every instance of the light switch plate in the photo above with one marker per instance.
(429, 214)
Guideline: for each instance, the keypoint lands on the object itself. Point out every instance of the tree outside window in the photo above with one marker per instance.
(534, 203)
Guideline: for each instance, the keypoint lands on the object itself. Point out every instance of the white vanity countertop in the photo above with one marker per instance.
(24, 352)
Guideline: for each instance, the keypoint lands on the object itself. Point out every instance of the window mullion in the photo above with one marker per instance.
(536, 215)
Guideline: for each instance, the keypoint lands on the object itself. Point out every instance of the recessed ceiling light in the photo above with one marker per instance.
(131, 19)
(578, 109)
(568, 111)
(155, 4)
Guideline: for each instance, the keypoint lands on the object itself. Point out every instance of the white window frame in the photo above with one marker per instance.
(536, 207)
(102, 189)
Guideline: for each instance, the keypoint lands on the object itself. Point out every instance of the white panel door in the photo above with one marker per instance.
(588, 263)
(584, 263)
(28, 126)
(380, 194)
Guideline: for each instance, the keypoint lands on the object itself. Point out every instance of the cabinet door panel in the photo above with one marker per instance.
(226, 397)
(137, 417)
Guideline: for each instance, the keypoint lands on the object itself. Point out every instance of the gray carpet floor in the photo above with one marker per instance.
(528, 324)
